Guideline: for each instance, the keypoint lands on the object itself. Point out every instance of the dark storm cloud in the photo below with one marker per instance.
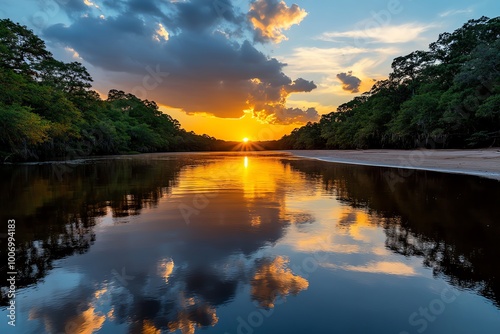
(294, 115)
(301, 85)
(350, 83)
(73, 5)
(144, 6)
(199, 66)
(201, 14)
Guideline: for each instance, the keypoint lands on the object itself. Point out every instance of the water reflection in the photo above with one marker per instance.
(173, 243)
(274, 280)
(199, 230)
(58, 212)
(450, 221)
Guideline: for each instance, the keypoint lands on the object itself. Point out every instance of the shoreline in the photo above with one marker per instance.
(480, 162)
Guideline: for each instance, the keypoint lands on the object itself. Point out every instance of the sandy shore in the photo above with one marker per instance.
(485, 162)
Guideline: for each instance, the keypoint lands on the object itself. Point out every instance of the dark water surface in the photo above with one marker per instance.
(249, 243)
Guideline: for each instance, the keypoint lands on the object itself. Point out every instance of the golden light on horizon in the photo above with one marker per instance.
(246, 140)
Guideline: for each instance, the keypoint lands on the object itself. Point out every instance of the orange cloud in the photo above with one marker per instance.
(271, 17)
(191, 62)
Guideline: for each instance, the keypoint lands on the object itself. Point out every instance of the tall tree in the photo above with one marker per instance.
(20, 48)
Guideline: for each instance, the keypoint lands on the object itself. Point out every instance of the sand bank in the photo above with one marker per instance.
(484, 162)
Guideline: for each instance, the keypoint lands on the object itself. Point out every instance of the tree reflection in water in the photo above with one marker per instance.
(450, 221)
(63, 215)
(177, 286)
(56, 216)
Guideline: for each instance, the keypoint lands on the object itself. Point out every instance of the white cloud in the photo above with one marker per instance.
(456, 12)
(161, 33)
(322, 64)
(333, 60)
(389, 34)
(90, 3)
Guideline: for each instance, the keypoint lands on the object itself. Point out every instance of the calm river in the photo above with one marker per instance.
(246, 243)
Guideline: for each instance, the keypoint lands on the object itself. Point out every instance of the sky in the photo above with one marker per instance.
(237, 69)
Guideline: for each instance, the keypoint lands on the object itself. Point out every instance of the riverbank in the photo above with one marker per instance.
(482, 162)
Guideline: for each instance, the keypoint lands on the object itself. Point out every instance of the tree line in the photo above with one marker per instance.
(49, 110)
(445, 97)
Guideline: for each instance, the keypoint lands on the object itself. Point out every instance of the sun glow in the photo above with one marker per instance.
(246, 144)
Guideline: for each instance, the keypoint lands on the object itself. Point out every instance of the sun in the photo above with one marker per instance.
(247, 144)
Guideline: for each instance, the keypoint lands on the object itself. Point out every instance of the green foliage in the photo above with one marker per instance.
(20, 48)
(21, 130)
(48, 110)
(445, 97)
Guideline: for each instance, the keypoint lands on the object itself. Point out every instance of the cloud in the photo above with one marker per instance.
(75, 6)
(334, 60)
(90, 3)
(324, 64)
(350, 83)
(389, 34)
(269, 102)
(456, 12)
(161, 33)
(283, 115)
(300, 85)
(188, 55)
(271, 17)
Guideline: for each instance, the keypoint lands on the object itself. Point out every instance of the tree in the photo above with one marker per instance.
(444, 97)
(71, 78)
(21, 130)
(20, 48)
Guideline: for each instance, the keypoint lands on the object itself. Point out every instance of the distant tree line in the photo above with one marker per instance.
(49, 110)
(446, 97)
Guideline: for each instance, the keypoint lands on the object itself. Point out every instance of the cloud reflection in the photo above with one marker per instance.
(273, 280)
(388, 268)
(165, 268)
(88, 322)
(195, 316)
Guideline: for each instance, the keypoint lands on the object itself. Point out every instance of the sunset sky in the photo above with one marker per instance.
(239, 68)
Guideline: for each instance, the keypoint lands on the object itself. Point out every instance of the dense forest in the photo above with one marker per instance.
(48, 109)
(446, 97)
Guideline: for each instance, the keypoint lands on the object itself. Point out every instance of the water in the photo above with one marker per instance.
(249, 243)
